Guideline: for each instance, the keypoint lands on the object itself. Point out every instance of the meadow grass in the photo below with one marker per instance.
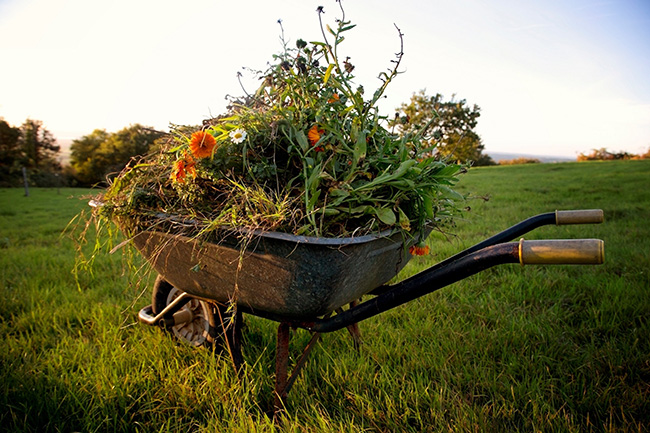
(552, 349)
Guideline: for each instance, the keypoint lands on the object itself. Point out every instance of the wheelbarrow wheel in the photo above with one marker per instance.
(200, 329)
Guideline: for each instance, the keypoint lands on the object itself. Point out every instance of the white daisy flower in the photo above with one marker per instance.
(238, 135)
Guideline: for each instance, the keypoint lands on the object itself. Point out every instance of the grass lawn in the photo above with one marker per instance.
(534, 348)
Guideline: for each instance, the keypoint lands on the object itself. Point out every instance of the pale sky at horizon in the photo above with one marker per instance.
(551, 77)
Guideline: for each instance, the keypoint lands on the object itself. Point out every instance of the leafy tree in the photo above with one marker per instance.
(39, 147)
(30, 146)
(97, 155)
(10, 154)
(121, 146)
(447, 126)
(85, 159)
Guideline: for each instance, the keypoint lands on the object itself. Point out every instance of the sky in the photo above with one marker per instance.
(552, 77)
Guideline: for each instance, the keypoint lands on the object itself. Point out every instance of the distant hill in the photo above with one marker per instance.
(498, 156)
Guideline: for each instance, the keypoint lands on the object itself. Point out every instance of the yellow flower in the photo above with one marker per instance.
(202, 144)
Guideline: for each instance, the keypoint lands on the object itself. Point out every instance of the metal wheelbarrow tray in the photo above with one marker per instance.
(277, 274)
(304, 282)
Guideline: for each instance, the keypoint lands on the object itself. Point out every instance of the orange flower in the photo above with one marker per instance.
(178, 172)
(334, 98)
(419, 250)
(182, 168)
(202, 144)
(314, 135)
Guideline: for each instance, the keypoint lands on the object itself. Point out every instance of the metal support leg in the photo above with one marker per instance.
(301, 362)
(284, 382)
(353, 329)
(281, 366)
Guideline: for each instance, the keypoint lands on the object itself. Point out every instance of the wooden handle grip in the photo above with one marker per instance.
(586, 216)
(562, 252)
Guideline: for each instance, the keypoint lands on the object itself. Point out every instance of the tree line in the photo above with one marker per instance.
(30, 150)
(96, 156)
(449, 126)
(603, 154)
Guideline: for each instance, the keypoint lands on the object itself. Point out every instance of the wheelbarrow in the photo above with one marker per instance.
(203, 289)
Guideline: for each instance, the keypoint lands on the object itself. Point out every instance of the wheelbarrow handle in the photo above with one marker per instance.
(584, 216)
(578, 251)
(171, 315)
(559, 217)
(562, 252)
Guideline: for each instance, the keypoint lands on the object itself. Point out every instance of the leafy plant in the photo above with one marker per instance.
(306, 153)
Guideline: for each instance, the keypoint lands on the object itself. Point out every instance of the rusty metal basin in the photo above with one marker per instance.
(295, 277)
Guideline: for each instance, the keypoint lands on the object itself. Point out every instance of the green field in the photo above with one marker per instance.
(547, 348)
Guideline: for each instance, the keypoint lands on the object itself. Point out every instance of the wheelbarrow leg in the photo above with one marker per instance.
(284, 382)
(353, 329)
(281, 366)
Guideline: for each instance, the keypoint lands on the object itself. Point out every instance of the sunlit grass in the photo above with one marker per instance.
(557, 348)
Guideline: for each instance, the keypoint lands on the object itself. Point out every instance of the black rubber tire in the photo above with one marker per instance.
(201, 331)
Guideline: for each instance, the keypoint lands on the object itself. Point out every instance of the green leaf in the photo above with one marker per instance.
(403, 219)
(314, 179)
(338, 196)
(450, 193)
(304, 229)
(386, 215)
(337, 192)
(328, 211)
(328, 73)
(360, 209)
(360, 147)
(404, 184)
(302, 141)
(312, 200)
(427, 203)
(176, 149)
(387, 177)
